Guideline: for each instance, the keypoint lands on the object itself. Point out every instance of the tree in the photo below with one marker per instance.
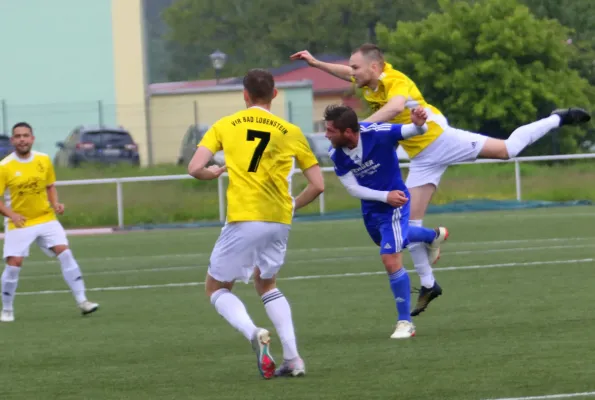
(490, 66)
(263, 33)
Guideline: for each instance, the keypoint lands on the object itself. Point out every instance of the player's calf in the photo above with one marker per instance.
(73, 277)
(10, 281)
(401, 289)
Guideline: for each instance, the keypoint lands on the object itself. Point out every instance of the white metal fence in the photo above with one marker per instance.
(221, 188)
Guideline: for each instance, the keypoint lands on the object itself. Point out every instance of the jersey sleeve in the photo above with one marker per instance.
(2, 179)
(212, 138)
(388, 133)
(51, 174)
(396, 87)
(303, 153)
(339, 169)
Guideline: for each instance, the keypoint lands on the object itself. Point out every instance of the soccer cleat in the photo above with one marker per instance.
(404, 330)
(434, 247)
(295, 367)
(425, 297)
(87, 307)
(7, 316)
(260, 343)
(572, 116)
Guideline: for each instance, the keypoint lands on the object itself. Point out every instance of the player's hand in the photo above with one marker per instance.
(396, 198)
(419, 116)
(18, 220)
(58, 208)
(216, 170)
(304, 55)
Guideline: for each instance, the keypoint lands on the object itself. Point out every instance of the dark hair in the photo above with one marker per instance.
(260, 85)
(342, 117)
(21, 125)
(370, 51)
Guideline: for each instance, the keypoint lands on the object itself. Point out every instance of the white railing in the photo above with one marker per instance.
(221, 188)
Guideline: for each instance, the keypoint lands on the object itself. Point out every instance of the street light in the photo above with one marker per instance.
(218, 59)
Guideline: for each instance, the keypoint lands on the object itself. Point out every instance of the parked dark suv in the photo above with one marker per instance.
(5, 146)
(106, 145)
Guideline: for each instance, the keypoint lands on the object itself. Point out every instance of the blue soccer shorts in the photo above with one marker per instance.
(389, 230)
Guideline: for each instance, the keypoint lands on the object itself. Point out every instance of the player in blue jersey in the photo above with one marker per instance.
(367, 165)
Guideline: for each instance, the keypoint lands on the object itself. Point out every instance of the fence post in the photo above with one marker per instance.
(221, 194)
(290, 112)
(100, 113)
(120, 204)
(4, 118)
(195, 112)
(517, 179)
(321, 203)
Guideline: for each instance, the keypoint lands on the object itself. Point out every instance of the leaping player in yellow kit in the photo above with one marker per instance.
(31, 203)
(392, 95)
(260, 149)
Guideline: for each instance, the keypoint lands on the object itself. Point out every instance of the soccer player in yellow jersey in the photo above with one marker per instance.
(392, 95)
(260, 149)
(30, 205)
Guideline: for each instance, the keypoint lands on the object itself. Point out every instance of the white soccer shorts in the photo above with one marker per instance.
(453, 146)
(245, 245)
(18, 241)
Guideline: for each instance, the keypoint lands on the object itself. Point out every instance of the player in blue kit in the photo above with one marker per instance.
(367, 165)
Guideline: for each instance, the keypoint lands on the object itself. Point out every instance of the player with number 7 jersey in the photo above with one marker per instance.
(259, 151)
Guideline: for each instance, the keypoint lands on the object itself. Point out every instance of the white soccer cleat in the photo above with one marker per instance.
(7, 316)
(295, 367)
(264, 360)
(87, 307)
(405, 330)
(434, 247)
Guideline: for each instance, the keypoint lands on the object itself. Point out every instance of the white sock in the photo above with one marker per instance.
(279, 313)
(525, 135)
(10, 281)
(419, 255)
(230, 307)
(72, 275)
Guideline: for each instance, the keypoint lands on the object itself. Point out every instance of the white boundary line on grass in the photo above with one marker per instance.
(306, 277)
(295, 262)
(350, 248)
(550, 396)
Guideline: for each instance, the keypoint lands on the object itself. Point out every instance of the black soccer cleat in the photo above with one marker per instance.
(572, 116)
(425, 297)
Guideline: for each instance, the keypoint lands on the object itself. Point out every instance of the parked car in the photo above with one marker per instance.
(93, 144)
(190, 140)
(320, 146)
(5, 146)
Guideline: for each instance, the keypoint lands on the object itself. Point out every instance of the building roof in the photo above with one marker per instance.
(288, 75)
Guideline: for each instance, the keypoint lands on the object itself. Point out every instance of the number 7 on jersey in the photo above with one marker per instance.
(265, 138)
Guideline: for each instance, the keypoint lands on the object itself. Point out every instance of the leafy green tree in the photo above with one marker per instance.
(491, 66)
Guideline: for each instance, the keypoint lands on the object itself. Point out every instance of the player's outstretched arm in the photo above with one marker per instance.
(196, 167)
(390, 110)
(338, 70)
(314, 188)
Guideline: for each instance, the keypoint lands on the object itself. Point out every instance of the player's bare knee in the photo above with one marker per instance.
(59, 249)
(14, 261)
(263, 285)
(420, 199)
(212, 285)
(392, 262)
(495, 149)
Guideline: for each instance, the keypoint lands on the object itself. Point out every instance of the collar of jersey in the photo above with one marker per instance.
(356, 153)
(23, 160)
(260, 108)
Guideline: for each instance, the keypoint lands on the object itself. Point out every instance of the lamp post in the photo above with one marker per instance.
(218, 59)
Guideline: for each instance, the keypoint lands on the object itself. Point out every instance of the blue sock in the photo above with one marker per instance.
(421, 234)
(399, 284)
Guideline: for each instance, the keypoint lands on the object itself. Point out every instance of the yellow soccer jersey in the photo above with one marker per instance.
(394, 83)
(24, 184)
(259, 152)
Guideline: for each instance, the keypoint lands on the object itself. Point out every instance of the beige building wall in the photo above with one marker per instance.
(172, 115)
(320, 103)
(129, 71)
